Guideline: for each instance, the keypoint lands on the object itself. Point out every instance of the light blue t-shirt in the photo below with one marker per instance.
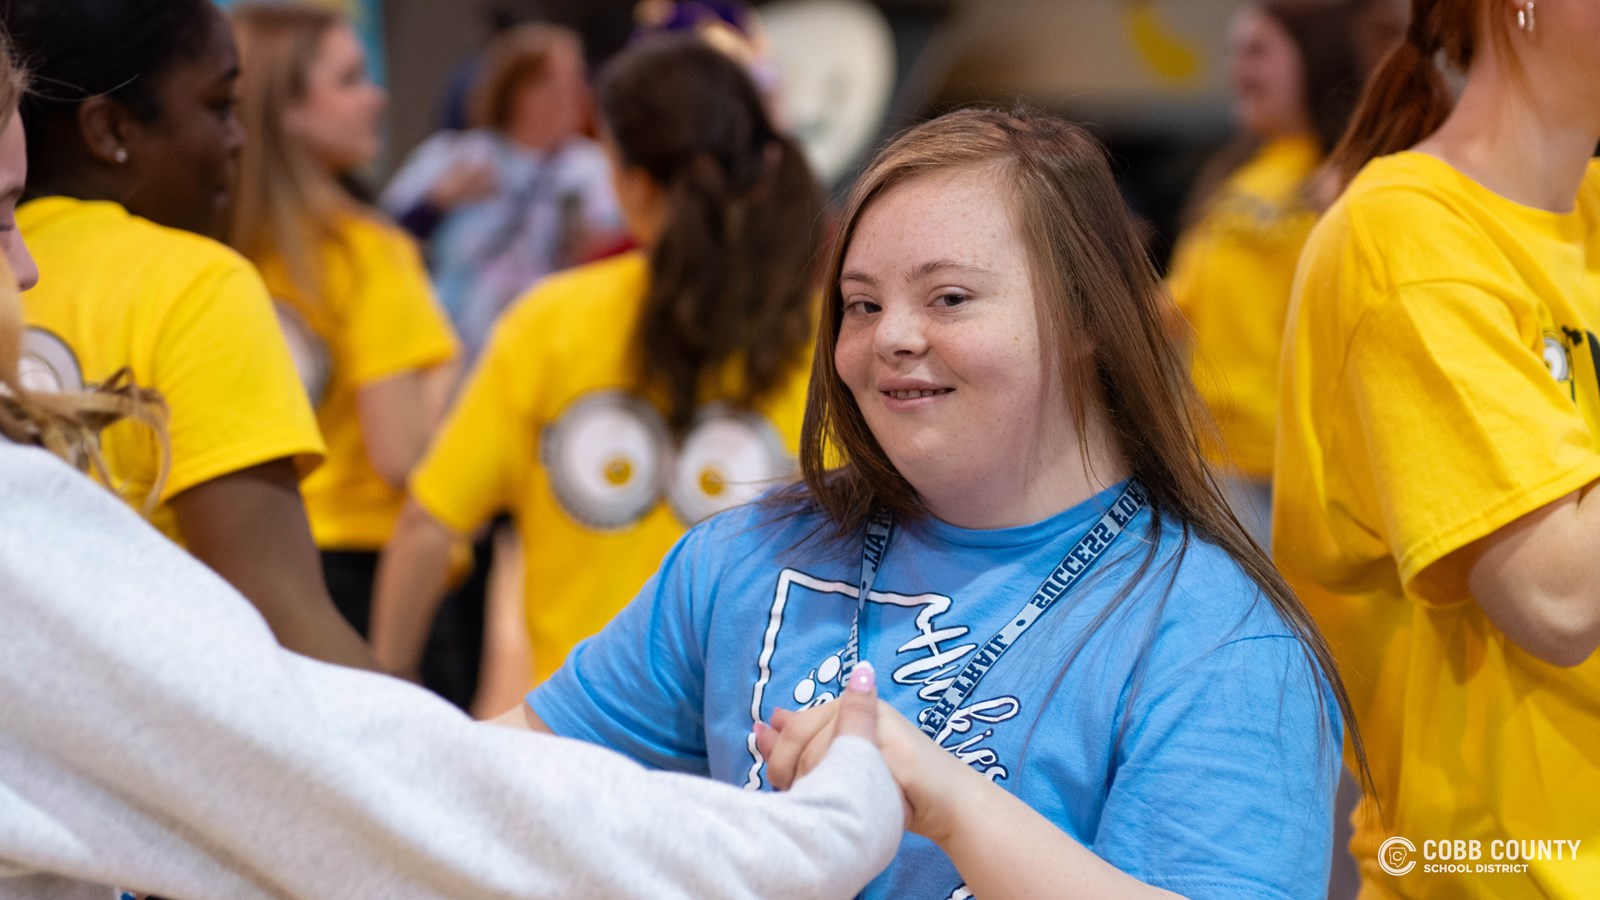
(1210, 773)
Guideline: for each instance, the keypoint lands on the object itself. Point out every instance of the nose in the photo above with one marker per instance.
(233, 135)
(901, 332)
(23, 267)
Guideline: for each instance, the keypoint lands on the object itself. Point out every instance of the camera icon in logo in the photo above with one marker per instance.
(1397, 856)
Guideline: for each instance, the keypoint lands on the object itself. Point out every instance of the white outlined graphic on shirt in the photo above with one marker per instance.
(927, 660)
(312, 361)
(47, 363)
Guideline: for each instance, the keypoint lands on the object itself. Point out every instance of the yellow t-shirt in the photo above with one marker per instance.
(1231, 274)
(189, 317)
(550, 428)
(1439, 383)
(374, 317)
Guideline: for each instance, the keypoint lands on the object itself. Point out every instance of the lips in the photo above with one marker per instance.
(906, 395)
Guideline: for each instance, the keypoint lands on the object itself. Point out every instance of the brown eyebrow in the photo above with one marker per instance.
(939, 265)
(922, 271)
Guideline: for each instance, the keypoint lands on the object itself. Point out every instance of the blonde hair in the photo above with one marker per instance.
(286, 204)
(66, 424)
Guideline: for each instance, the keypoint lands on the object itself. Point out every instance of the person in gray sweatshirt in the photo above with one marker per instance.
(155, 737)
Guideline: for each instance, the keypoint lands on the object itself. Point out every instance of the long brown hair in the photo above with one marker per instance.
(66, 424)
(1098, 290)
(1407, 98)
(285, 205)
(1325, 35)
(732, 277)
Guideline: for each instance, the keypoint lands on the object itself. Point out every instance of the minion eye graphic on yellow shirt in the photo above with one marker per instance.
(312, 361)
(605, 455)
(48, 364)
(611, 459)
(728, 458)
(1558, 359)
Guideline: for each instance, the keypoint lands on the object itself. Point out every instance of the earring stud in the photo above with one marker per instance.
(121, 155)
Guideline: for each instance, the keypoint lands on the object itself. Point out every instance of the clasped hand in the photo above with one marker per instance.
(932, 782)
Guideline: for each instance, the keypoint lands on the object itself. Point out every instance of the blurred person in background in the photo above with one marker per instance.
(1293, 67)
(1440, 442)
(133, 149)
(519, 195)
(623, 401)
(373, 349)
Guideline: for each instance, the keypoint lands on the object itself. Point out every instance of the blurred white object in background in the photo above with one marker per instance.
(836, 59)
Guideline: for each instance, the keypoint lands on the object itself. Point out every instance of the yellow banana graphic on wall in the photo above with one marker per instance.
(1170, 56)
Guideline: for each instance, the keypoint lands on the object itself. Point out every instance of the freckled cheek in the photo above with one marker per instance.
(851, 358)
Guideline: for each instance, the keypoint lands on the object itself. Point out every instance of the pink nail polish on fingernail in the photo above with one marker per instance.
(863, 677)
(759, 726)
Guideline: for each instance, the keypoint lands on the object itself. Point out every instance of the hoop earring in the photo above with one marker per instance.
(1525, 18)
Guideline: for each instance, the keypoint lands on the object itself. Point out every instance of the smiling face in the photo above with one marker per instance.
(340, 117)
(940, 344)
(1267, 76)
(183, 164)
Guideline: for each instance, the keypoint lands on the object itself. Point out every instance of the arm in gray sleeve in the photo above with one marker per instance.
(153, 736)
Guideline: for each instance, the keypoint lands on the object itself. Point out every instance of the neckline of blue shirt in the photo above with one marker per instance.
(1069, 522)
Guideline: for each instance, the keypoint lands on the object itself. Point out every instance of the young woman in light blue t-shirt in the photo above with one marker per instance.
(1103, 685)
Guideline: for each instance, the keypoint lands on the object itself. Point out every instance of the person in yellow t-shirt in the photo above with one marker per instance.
(1439, 446)
(372, 346)
(129, 169)
(1294, 71)
(618, 403)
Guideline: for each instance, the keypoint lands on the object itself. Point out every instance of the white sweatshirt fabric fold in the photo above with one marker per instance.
(154, 736)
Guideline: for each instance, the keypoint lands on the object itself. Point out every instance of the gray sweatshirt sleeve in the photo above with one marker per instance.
(154, 736)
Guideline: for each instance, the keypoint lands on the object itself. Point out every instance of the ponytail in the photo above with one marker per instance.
(732, 274)
(1407, 98)
(731, 278)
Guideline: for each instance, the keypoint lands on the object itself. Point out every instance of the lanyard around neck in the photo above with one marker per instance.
(880, 528)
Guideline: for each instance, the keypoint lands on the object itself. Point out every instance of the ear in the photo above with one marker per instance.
(649, 192)
(106, 128)
(643, 201)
